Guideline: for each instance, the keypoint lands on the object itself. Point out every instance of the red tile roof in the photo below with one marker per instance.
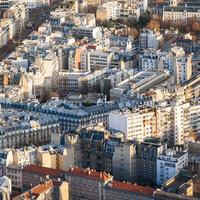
(132, 188)
(42, 170)
(37, 190)
(89, 173)
(41, 188)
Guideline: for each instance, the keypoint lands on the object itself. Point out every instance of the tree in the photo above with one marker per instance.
(133, 32)
(144, 19)
(153, 25)
(196, 27)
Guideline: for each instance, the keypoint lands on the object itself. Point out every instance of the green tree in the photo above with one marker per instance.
(144, 19)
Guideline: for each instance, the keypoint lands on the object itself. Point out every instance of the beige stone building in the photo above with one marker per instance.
(56, 157)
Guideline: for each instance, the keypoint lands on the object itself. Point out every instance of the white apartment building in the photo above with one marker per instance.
(173, 122)
(177, 14)
(137, 124)
(150, 39)
(20, 14)
(6, 31)
(182, 65)
(99, 59)
(112, 9)
(169, 165)
(44, 72)
(148, 60)
(143, 4)
(129, 11)
(69, 81)
(31, 4)
(195, 118)
(152, 59)
(130, 124)
(118, 10)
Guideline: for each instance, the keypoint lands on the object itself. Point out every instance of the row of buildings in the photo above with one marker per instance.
(14, 22)
(102, 150)
(113, 10)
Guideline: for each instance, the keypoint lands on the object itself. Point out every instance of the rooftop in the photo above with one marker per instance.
(181, 9)
(42, 170)
(131, 188)
(89, 173)
(39, 189)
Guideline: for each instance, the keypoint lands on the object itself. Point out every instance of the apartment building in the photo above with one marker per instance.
(169, 164)
(82, 31)
(99, 59)
(5, 188)
(6, 31)
(69, 81)
(119, 10)
(124, 162)
(178, 14)
(148, 60)
(110, 9)
(94, 155)
(195, 117)
(14, 172)
(70, 117)
(127, 191)
(174, 123)
(150, 39)
(6, 158)
(56, 156)
(31, 4)
(44, 76)
(73, 141)
(130, 11)
(24, 156)
(182, 65)
(137, 124)
(32, 175)
(21, 128)
(161, 195)
(51, 189)
(93, 82)
(181, 122)
(146, 161)
(20, 14)
(86, 183)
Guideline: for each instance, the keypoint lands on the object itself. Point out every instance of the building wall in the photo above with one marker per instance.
(64, 191)
(123, 162)
(110, 194)
(14, 172)
(84, 188)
